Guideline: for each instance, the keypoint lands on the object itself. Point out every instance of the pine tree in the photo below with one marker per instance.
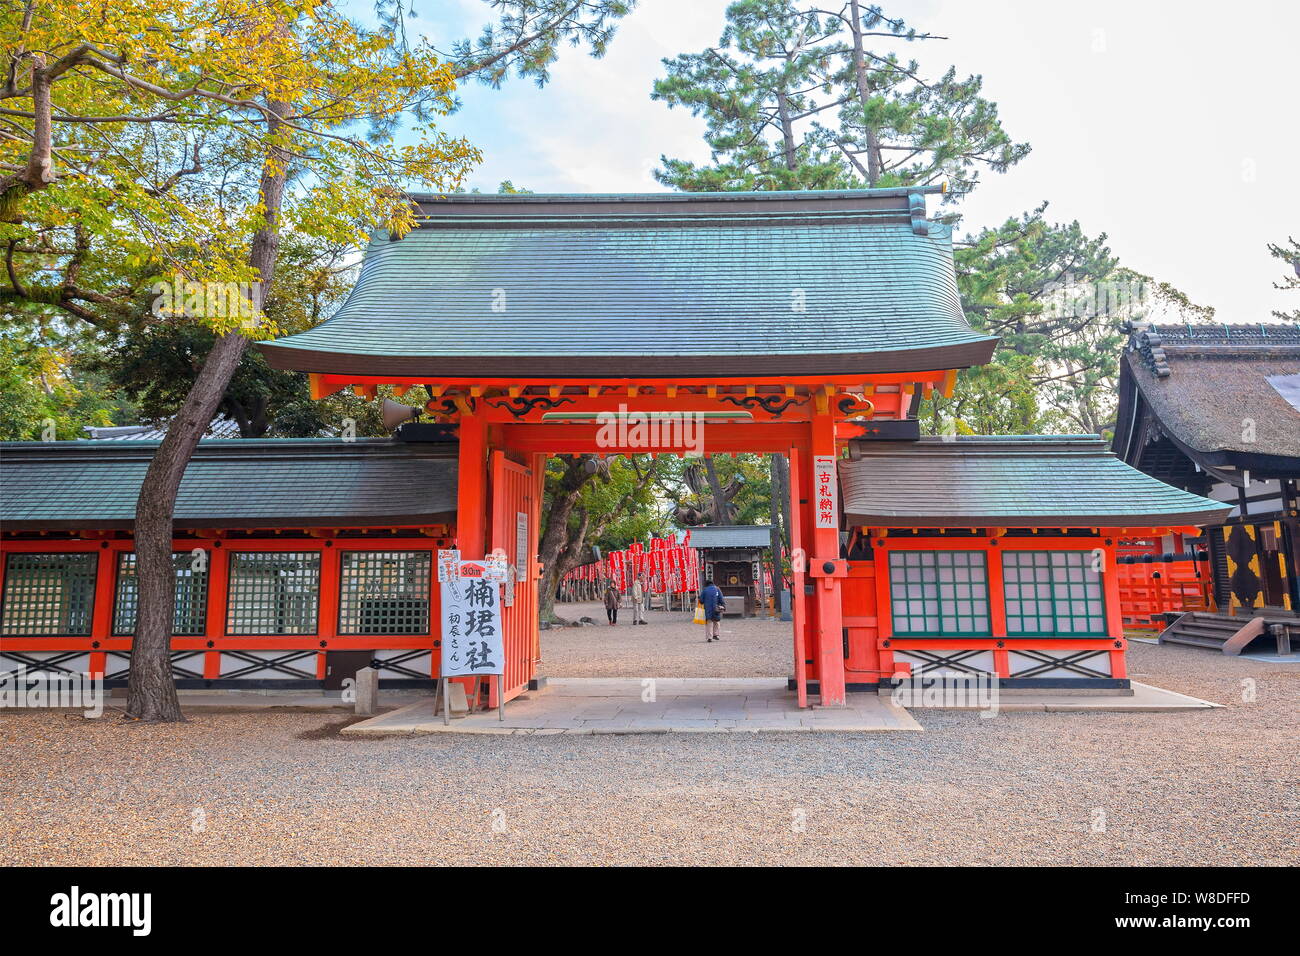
(796, 97)
(1290, 254)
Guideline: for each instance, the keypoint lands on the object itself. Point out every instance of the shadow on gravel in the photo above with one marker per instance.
(330, 731)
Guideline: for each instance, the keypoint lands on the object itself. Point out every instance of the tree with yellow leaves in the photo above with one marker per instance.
(183, 137)
(297, 102)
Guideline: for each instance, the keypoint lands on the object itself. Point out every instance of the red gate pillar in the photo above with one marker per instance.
(471, 487)
(826, 569)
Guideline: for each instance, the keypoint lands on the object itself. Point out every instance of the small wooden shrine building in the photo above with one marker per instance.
(295, 558)
(807, 324)
(1215, 409)
(732, 556)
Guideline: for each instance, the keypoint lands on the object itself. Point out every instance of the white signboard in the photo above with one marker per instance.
(448, 563)
(471, 623)
(496, 567)
(826, 494)
(521, 545)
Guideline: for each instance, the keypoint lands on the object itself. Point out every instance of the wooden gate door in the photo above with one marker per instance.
(798, 565)
(515, 510)
(1245, 566)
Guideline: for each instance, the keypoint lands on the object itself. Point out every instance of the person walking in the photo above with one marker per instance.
(714, 605)
(638, 602)
(612, 600)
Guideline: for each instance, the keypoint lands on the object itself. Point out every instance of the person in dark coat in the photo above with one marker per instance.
(714, 605)
(612, 601)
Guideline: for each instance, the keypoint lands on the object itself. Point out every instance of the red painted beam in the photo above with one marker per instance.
(718, 438)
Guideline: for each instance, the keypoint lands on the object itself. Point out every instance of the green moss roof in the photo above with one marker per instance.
(651, 285)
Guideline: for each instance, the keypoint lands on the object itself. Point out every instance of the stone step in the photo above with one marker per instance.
(1170, 637)
(1215, 620)
(1200, 630)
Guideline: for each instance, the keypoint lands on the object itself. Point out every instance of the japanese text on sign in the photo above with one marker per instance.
(826, 492)
(448, 563)
(471, 623)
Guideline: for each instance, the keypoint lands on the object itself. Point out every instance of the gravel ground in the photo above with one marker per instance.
(670, 645)
(281, 787)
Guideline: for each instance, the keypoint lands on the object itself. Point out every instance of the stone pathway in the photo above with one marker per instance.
(651, 706)
(666, 705)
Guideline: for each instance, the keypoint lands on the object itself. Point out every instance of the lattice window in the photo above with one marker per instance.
(939, 593)
(384, 592)
(48, 594)
(273, 592)
(191, 610)
(1053, 593)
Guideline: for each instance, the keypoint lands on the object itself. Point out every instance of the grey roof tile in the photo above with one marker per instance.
(1009, 481)
(731, 536)
(231, 484)
(1212, 392)
(637, 291)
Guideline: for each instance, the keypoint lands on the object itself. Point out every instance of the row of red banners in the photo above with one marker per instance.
(665, 566)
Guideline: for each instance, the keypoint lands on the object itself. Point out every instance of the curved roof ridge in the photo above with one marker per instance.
(1011, 484)
(799, 284)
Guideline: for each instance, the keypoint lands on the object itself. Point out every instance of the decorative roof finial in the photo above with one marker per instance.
(1144, 340)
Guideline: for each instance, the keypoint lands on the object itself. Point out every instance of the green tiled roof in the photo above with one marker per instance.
(732, 536)
(651, 285)
(1009, 481)
(296, 483)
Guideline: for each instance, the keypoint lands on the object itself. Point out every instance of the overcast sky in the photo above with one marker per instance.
(1172, 127)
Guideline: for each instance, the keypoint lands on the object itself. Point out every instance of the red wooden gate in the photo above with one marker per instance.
(798, 565)
(515, 509)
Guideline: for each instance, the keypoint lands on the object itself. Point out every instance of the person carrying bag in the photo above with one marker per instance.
(711, 607)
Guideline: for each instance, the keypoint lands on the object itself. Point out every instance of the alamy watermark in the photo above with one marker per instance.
(133, 911)
(209, 300)
(44, 690)
(1074, 296)
(663, 430)
(948, 689)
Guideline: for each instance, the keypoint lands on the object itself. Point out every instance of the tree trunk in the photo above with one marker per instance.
(567, 557)
(721, 508)
(775, 514)
(555, 539)
(864, 94)
(561, 548)
(787, 130)
(38, 172)
(151, 688)
(151, 693)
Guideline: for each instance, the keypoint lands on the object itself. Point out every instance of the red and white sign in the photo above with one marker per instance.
(448, 564)
(471, 569)
(472, 640)
(826, 494)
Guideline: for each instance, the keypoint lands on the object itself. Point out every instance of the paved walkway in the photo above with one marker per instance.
(651, 706)
(1141, 699)
(724, 705)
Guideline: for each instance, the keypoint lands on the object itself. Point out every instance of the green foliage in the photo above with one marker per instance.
(155, 360)
(527, 35)
(1290, 254)
(48, 389)
(796, 97)
(1058, 299)
(524, 37)
(172, 187)
(600, 496)
(750, 505)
